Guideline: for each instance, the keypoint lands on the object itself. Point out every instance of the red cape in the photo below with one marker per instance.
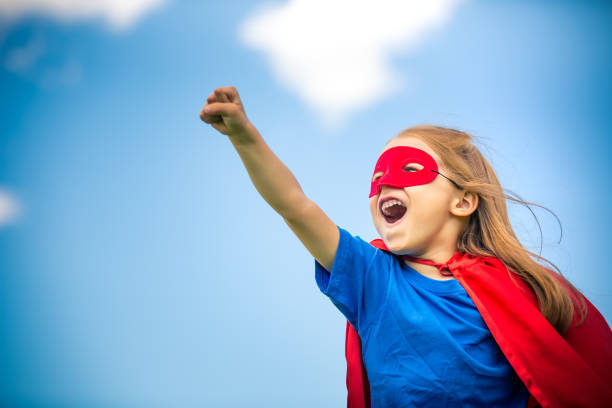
(573, 370)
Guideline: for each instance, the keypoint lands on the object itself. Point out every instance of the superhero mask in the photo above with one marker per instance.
(394, 165)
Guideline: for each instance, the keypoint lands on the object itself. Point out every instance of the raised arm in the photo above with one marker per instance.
(224, 111)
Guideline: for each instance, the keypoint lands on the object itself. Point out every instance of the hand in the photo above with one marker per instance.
(224, 111)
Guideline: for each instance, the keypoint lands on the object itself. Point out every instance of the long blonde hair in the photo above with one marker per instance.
(489, 232)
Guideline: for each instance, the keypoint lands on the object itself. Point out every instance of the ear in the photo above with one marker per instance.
(465, 204)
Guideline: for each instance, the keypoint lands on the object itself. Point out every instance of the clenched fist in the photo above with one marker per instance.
(224, 111)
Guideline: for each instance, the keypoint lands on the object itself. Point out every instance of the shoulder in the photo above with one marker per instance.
(489, 271)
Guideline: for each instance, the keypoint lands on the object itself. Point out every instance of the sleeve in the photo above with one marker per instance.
(358, 282)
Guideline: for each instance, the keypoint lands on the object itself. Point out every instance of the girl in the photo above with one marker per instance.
(447, 309)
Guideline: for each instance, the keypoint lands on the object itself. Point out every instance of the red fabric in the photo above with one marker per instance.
(356, 379)
(573, 370)
(392, 162)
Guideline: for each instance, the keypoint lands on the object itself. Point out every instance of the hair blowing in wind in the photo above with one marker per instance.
(489, 232)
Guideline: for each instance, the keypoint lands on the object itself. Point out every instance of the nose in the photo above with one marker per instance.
(384, 188)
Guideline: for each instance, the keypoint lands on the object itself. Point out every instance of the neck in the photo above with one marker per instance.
(439, 256)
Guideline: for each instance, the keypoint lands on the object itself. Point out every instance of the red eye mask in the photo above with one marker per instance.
(392, 164)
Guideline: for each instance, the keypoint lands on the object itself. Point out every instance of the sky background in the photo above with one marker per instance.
(139, 267)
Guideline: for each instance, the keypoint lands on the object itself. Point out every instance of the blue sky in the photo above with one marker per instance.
(138, 265)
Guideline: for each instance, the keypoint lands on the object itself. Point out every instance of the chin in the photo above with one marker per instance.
(396, 246)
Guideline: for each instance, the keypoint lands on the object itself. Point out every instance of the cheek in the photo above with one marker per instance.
(426, 204)
(372, 205)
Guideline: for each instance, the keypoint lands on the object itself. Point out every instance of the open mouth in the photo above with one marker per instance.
(392, 209)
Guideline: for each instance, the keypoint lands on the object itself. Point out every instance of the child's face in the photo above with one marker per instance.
(426, 224)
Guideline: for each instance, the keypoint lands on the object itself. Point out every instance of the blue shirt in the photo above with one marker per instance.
(424, 343)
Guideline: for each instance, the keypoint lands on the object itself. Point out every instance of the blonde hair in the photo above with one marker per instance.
(489, 232)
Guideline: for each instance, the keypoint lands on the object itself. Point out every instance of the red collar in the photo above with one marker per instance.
(445, 269)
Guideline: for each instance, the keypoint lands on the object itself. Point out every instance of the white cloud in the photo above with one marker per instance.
(335, 54)
(119, 14)
(9, 208)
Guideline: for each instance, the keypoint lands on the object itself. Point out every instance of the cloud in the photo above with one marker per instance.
(119, 14)
(21, 59)
(9, 208)
(335, 54)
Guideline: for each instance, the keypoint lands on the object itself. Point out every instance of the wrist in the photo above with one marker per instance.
(247, 136)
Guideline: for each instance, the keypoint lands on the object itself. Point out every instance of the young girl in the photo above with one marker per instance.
(447, 309)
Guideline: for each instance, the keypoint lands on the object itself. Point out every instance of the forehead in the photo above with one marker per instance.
(411, 141)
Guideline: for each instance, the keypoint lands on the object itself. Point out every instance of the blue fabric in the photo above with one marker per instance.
(424, 342)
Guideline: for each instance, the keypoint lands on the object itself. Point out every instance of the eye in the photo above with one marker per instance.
(377, 176)
(412, 167)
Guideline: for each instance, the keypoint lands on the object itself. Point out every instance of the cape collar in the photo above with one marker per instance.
(453, 267)
(446, 269)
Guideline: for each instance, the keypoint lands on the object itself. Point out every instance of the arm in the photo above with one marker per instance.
(272, 179)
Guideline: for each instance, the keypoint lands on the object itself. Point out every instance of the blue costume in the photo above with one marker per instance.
(424, 341)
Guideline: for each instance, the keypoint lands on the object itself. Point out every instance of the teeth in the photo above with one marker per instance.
(390, 203)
